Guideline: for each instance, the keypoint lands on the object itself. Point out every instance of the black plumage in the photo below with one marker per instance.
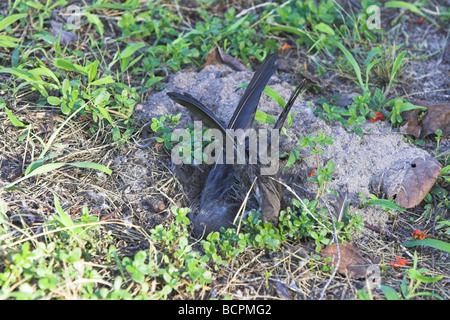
(217, 208)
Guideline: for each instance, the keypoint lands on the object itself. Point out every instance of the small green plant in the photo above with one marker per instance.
(228, 244)
(438, 140)
(95, 95)
(353, 116)
(313, 142)
(332, 113)
(368, 104)
(170, 262)
(160, 125)
(415, 277)
(398, 106)
(292, 16)
(348, 226)
(177, 264)
(231, 33)
(293, 226)
(39, 166)
(324, 173)
(190, 144)
(37, 266)
(69, 100)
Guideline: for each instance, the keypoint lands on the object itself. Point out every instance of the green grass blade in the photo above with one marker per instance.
(283, 28)
(324, 28)
(54, 134)
(428, 294)
(91, 165)
(8, 42)
(417, 275)
(102, 81)
(235, 25)
(92, 71)
(131, 49)
(16, 122)
(11, 19)
(264, 117)
(412, 8)
(385, 204)
(42, 169)
(46, 168)
(369, 67)
(70, 66)
(45, 72)
(275, 96)
(390, 293)
(434, 243)
(270, 92)
(64, 218)
(404, 5)
(105, 114)
(293, 156)
(95, 21)
(36, 164)
(353, 63)
(29, 78)
(397, 64)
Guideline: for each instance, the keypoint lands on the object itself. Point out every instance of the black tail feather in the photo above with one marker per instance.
(199, 110)
(245, 111)
(283, 115)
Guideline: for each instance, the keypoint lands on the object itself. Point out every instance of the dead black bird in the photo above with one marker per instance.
(216, 207)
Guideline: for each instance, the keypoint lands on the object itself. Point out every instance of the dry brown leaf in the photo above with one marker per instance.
(218, 56)
(352, 263)
(436, 117)
(410, 182)
(411, 125)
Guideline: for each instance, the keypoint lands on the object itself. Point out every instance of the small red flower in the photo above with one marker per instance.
(399, 262)
(420, 20)
(284, 46)
(419, 235)
(311, 173)
(379, 116)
